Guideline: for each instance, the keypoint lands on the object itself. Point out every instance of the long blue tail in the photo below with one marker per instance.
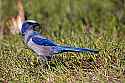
(60, 49)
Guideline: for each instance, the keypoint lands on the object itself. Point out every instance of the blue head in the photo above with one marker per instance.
(28, 25)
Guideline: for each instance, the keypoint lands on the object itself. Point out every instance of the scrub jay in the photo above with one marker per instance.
(42, 46)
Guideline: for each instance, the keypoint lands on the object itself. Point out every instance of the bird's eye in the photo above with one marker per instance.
(36, 28)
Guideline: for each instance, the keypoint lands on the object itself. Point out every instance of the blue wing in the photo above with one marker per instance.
(42, 41)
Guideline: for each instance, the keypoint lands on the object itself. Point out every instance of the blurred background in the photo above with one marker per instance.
(99, 17)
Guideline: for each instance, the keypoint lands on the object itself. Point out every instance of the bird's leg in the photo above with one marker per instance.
(45, 58)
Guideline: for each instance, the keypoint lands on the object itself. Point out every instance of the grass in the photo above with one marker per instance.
(19, 64)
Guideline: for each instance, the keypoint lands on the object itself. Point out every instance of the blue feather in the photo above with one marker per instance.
(33, 34)
(27, 25)
(60, 49)
(43, 41)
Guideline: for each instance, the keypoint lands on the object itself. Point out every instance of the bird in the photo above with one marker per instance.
(45, 48)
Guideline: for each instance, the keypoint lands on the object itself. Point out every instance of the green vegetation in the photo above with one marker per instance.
(97, 24)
